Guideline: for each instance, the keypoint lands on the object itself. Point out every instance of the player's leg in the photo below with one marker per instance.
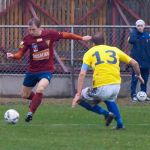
(29, 82)
(89, 103)
(36, 101)
(27, 92)
(134, 82)
(98, 110)
(43, 81)
(109, 96)
(145, 74)
(94, 108)
(37, 98)
(112, 106)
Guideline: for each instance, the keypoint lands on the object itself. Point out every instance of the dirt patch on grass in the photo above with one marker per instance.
(5, 101)
(120, 101)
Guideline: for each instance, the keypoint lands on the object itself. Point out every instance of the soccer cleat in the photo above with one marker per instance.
(28, 117)
(119, 128)
(147, 99)
(134, 99)
(109, 119)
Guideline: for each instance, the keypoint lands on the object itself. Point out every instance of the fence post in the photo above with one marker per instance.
(72, 75)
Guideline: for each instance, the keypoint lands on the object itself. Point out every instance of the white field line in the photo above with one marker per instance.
(75, 124)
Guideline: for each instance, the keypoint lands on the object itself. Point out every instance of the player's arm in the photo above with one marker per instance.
(80, 84)
(81, 78)
(87, 59)
(68, 35)
(18, 55)
(128, 60)
(55, 36)
(136, 69)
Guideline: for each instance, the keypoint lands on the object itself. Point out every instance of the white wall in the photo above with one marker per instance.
(60, 86)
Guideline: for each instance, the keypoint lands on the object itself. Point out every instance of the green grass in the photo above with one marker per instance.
(56, 126)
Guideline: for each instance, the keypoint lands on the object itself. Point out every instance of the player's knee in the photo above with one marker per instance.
(24, 95)
(89, 109)
(85, 105)
(40, 89)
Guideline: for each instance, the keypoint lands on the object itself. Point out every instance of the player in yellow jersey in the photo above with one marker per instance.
(104, 61)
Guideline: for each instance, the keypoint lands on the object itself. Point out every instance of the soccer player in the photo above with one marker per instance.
(104, 61)
(39, 43)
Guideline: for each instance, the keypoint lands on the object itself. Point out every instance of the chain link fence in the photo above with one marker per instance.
(68, 53)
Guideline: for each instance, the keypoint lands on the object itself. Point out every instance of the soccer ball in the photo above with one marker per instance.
(11, 116)
(141, 96)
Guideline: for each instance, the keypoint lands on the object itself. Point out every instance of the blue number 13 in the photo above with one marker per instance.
(112, 54)
(99, 61)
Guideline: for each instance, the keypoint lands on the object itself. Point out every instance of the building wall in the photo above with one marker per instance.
(59, 87)
(64, 11)
(69, 12)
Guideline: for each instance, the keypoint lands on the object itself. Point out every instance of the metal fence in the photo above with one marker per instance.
(68, 53)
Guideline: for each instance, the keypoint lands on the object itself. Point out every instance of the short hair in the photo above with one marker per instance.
(34, 21)
(98, 38)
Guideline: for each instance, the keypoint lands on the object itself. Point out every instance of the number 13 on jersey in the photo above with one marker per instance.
(111, 59)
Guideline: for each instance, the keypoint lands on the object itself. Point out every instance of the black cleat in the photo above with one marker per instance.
(29, 117)
(109, 119)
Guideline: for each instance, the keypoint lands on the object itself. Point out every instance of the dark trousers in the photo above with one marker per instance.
(134, 81)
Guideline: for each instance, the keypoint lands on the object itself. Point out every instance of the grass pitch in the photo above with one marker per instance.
(56, 126)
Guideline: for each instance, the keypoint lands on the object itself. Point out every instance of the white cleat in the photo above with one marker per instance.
(134, 99)
(147, 99)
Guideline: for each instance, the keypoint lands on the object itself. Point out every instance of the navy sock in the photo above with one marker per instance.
(97, 109)
(112, 107)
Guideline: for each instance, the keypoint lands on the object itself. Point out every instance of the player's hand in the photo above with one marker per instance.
(76, 100)
(86, 38)
(140, 79)
(9, 55)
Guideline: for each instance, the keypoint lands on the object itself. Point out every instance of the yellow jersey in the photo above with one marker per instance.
(105, 60)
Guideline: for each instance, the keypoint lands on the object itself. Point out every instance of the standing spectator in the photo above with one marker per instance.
(141, 53)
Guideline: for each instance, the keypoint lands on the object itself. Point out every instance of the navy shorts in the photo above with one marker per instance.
(31, 79)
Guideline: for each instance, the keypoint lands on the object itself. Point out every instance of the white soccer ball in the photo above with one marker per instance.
(11, 116)
(141, 96)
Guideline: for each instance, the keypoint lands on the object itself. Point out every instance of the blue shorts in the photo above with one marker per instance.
(31, 79)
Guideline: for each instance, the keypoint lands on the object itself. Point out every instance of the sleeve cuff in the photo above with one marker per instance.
(84, 67)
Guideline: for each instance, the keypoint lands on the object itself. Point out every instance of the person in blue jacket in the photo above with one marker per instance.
(140, 41)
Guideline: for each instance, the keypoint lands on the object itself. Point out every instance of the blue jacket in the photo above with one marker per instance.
(141, 47)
